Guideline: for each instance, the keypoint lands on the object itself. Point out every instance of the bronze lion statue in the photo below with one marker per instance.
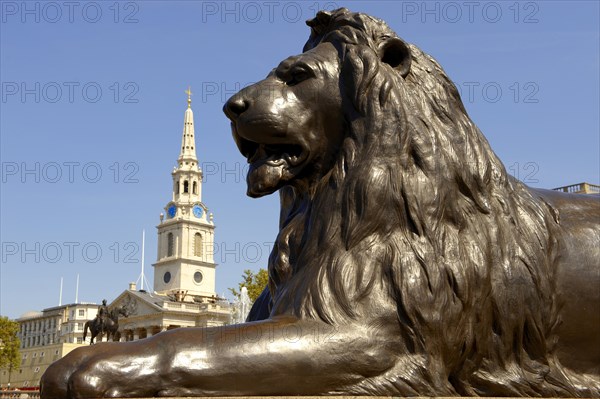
(408, 261)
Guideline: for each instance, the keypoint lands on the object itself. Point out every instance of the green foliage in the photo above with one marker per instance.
(9, 344)
(255, 283)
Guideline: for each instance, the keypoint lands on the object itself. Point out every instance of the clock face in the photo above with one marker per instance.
(171, 211)
(198, 211)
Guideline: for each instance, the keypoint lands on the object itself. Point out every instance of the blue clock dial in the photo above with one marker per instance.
(171, 211)
(198, 211)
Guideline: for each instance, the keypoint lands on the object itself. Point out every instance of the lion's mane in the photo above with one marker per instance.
(419, 216)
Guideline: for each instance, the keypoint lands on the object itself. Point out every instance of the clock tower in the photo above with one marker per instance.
(185, 266)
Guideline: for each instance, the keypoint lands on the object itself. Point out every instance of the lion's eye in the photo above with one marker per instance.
(297, 75)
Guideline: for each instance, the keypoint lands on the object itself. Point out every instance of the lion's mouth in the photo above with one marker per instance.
(271, 165)
(274, 155)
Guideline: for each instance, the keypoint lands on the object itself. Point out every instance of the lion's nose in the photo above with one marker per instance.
(235, 106)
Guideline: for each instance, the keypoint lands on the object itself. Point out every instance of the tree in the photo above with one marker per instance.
(9, 345)
(255, 283)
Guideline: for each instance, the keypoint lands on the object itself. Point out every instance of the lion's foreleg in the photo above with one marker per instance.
(283, 356)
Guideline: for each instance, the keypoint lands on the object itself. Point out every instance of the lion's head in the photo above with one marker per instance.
(286, 128)
(394, 205)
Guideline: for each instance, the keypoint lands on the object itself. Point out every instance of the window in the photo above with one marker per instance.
(195, 187)
(34, 354)
(197, 244)
(81, 312)
(167, 277)
(170, 244)
(56, 352)
(185, 187)
(42, 354)
(198, 277)
(177, 187)
(37, 370)
(79, 340)
(79, 326)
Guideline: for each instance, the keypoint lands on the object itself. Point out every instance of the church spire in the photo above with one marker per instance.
(185, 266)
(188, 143)
(187, 176)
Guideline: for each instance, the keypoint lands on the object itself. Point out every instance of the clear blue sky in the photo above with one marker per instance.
(528, 71)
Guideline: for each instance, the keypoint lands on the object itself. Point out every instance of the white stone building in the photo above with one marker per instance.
(47, 336)
(183, 294)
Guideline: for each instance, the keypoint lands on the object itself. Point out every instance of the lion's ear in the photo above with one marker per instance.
(396, 53)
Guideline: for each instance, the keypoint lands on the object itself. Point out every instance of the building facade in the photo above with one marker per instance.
(580, 188)
(47, 336)
(150, 313)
